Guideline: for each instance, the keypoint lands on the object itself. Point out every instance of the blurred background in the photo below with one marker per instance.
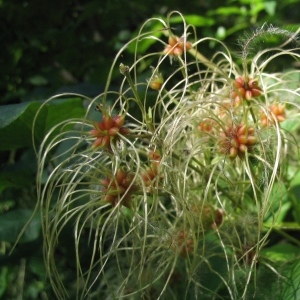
(50, 47)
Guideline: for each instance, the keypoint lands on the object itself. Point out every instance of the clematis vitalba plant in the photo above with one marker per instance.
(178, 195)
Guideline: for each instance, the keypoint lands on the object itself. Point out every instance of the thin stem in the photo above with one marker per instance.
(202, 173)
(251, 112)
(125, 71)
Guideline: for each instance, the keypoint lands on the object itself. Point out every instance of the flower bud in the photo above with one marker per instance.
(251, 140)
(242, 129)
(99, 126)
(105, 142)
(184, 45)
(242, 139)
(177, 51)
(120, 175)
(239, 82)
(118, 121)
(172, 41)
(243, 148)
(233, 152)
(156, 81)
(124, 130)
(113, 131)
(248, 94)
(169, 50)
(107, 121)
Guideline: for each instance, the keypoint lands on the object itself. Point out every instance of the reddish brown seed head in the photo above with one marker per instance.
(118, 121)
(236, 140)
(107, 121)
(245, 88)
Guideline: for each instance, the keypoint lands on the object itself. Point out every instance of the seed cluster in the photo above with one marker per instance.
(245, 89)
(151, 175)
(184, 243)
(177, 46)
(108, 130)
(119, 187)
(206, 125)
(210, 216)
(236, 140)
(278, 113)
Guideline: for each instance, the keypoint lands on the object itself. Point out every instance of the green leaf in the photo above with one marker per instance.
(195, 20)
(16, 179)
(145, 42)
(291, 285)
(279, 204)
(221, 33)
(227, 11)
(294, 194)
(270, 7)
(16, 120)
(38, 80)
(37, 265)
(59, 111)
(12, 222)
(281, 252)
(296, 180)
(290, 124)
(3, 280)
(15, 125)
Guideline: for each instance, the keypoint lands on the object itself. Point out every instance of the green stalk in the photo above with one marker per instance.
(251, 111)
(125, 71)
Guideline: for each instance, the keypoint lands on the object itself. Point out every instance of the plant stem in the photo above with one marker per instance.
(125, 71)
(251, 112)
